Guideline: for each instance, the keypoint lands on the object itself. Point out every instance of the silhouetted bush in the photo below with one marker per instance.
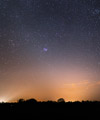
(21, 100)
(61, 100)
(31, 100)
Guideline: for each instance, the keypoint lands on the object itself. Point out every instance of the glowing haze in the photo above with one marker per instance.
(49, 49)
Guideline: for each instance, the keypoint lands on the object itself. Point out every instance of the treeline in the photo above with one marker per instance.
(58, 109)
(32, 100)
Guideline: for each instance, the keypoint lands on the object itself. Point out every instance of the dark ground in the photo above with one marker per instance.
(50, 110)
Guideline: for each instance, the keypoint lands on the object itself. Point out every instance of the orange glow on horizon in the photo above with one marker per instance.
(73, 84)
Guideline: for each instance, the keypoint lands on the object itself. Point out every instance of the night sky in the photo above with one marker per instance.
(50, 49)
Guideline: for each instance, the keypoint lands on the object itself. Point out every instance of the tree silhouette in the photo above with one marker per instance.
(31, 100)
(21, 100)
(61, 100)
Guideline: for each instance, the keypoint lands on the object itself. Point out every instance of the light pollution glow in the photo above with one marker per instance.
(50, 83)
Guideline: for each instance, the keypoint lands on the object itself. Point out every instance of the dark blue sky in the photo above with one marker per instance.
(49, 37)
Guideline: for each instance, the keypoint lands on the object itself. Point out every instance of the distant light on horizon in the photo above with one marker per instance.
(3, 100)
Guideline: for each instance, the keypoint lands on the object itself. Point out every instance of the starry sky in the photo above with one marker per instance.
(50, 49)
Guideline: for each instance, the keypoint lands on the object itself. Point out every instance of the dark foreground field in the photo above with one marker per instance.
(49, 110)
